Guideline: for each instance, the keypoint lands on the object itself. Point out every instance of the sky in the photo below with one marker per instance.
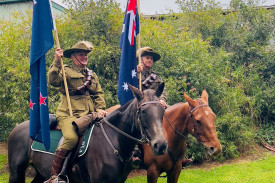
(149, 7)
(152, 7)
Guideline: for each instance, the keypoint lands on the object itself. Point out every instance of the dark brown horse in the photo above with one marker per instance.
(194, 117)
(104, 160)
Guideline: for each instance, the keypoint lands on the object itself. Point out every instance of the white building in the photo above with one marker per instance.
(7, 7)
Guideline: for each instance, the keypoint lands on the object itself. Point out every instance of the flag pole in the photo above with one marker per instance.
(61, 63)
(63, 73)
(139, 56)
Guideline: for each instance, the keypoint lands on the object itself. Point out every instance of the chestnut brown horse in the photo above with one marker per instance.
(194, 117)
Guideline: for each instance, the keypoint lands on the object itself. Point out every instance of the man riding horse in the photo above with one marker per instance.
(151, 80)
(86, 96)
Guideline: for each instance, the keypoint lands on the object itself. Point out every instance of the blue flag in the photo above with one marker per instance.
(128, 61)
(41, 42)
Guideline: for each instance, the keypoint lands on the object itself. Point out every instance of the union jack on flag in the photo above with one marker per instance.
(128, 62)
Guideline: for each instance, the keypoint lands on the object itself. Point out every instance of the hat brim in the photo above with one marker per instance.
(68, 53)
(155, 55)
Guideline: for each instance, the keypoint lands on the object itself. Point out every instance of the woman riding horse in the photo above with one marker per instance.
(86, 96)
(109, 147)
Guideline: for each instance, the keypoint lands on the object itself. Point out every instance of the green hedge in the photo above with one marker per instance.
(228, 55)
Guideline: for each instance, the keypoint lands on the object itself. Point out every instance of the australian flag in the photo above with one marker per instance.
(41, 42)
(128, 61)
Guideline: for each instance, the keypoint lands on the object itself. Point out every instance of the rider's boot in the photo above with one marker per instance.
(59, 158)
(186, 162)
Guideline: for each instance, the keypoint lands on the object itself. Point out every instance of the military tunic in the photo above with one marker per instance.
(81, 105)
(155, 83)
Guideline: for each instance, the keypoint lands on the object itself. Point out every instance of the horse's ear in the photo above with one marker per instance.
(137, 94)
(204, 96)
(189, 100)
(160, 89)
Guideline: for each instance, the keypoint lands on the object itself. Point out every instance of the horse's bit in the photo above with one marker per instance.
(143, 140)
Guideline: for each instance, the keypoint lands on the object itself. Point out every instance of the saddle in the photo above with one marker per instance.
(53, 122)
(56, 139)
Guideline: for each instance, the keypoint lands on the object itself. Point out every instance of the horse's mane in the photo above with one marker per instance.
(176, 106)
(149, 93)
(125, 106)
(121, 110)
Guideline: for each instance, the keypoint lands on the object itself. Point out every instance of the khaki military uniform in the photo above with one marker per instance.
(82, 104)
(154, 84)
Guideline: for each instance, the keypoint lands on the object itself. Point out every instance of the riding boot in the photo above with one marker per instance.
(59, 158)
(186, 162)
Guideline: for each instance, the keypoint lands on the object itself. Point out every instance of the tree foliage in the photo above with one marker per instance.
(228, 53)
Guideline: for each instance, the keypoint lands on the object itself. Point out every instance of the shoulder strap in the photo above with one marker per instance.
(149, 80)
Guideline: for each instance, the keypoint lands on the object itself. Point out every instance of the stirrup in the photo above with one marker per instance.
(60, 179)
(63, 177)
(135, 162)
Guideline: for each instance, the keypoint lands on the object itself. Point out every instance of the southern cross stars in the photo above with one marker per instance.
(134, 73)
(31, 104)
(42, 100)
(125, 86)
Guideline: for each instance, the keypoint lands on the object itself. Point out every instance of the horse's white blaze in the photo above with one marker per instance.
(206, 112)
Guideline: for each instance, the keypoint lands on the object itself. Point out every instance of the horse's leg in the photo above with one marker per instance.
(152, 174)
(126, 171)
(17, 174)
(38, 178)
(173, 175)
(18, 153)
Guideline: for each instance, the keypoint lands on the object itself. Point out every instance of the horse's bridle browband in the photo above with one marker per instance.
(143, 140)
(199, 106)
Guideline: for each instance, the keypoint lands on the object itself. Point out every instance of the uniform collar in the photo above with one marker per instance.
(78, 68)
(147, 71)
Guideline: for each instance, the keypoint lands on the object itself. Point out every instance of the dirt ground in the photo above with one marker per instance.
(258, 152)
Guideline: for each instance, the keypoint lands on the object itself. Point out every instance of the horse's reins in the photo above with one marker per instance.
(182, 135)
(143, 140)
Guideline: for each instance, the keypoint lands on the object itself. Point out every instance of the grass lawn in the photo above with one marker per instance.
(258, 171)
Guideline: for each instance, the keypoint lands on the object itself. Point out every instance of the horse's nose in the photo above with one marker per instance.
(214, 151)
(159, 148)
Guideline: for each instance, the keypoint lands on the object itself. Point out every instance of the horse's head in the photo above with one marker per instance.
(150, 114)
(202, 123)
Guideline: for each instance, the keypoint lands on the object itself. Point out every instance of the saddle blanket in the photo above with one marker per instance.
(56, 140)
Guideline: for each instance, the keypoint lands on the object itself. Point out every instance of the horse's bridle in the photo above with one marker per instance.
(143, 140)
(175, 159)
(190, 115)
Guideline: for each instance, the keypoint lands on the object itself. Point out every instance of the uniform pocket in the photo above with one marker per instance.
(79, 103)
(76, 80)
